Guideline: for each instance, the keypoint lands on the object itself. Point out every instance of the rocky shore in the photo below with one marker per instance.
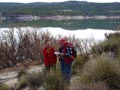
(57, 17)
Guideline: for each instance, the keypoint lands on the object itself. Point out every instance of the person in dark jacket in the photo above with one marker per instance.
(50, 58)
(66, 58)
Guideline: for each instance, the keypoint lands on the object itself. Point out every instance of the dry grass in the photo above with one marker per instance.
(91, 86)
(22, 83)
(34, 81)
(79, 62)
(54, 80)
(9, 69)
(4, 87)
(102, 69)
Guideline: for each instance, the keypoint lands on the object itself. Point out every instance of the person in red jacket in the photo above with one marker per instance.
(50, 58)
(66, 58)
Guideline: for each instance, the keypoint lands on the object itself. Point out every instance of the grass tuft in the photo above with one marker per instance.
(102, 69)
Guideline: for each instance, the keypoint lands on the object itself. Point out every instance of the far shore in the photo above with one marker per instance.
(57, 17)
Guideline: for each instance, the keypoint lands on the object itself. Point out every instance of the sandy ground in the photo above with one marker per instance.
(10, 78)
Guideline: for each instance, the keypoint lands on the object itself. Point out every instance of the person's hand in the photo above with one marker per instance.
(61, 54)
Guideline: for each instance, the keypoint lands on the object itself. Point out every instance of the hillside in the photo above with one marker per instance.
(61, 8)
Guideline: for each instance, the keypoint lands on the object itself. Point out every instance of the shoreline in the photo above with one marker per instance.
(58, 17)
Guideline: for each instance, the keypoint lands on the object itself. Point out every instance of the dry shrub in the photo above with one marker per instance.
(22, 83)
(54, 81)
(91, 86)
(102, 69)
(79, 62)
(34, 81)
(4, 87)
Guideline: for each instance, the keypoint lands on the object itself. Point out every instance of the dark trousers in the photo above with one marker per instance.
(66, 70)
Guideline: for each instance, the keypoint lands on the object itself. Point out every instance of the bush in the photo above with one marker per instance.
(4, 87)
(102, 69)
(23, 83)
(118, 56)
(79, 62)
(111, 44)
(21, 73)
(54, 81)
(35, 80)
(91, 86)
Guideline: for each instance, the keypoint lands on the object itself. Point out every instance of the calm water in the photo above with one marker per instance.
(108, 24)
(96, 34)
(82, 29)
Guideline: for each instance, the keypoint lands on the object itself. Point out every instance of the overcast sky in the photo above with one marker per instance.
(27, 1)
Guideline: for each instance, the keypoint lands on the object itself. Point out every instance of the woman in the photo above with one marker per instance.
(50, 58)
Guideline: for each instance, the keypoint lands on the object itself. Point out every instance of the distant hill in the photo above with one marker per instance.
(61, 8)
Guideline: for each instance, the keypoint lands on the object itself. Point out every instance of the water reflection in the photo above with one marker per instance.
(110, 24)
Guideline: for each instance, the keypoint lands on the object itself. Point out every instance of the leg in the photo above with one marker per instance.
(62, 66)
(47, 69)
(53, 67)
(68, 68)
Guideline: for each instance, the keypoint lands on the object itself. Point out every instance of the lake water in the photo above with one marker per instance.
(107, 24)
(82, 29)
(97, 34)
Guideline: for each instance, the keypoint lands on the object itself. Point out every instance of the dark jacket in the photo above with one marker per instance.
(67, 51)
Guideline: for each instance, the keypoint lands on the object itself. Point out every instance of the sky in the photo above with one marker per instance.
(28, 1)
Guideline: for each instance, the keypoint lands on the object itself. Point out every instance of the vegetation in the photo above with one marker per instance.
(22, 83)
(92, 86)
(111, 44)
(49, 81)
(4, 87)
(20, 50)
(102, 69)
(64, 8)
(34, 81)
(54, 81)
(104, 66)
(27, 47)
(21, 73)
(79, 63)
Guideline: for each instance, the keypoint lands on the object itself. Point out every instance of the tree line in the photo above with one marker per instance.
(62, 8)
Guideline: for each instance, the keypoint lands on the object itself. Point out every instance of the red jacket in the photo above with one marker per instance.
(68, 59)
(49, 56)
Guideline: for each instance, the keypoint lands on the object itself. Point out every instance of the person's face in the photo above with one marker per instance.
(48, 43)
(62, 44)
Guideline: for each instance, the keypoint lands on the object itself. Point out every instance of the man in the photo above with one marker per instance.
(66, 58)
(50, 58)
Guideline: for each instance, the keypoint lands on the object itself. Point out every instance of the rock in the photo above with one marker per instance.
(27, 88)
(40, 88)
